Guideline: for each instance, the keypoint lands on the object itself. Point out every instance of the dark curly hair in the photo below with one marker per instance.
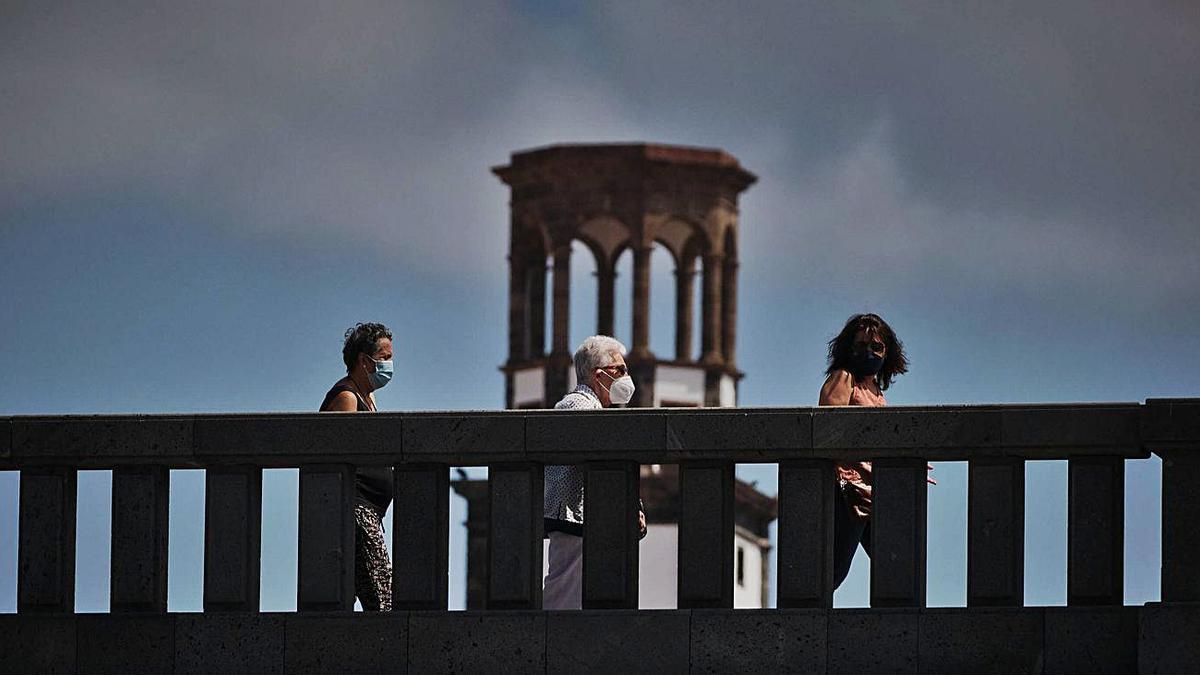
(363, 338)
(841, 348)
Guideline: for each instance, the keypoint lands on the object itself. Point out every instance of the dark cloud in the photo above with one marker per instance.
(997, 144)
(1015, 145)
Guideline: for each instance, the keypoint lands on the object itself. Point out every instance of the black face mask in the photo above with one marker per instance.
(865, 364)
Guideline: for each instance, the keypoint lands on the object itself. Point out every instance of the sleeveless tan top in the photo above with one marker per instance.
(855, 477)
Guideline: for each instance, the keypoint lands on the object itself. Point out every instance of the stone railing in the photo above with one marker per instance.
(420, 635)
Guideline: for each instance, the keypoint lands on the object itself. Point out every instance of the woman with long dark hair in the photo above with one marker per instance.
(863, 359)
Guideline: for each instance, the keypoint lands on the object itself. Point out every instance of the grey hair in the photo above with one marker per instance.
(595, 352)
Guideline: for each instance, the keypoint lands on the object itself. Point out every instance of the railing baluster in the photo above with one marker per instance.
(1095, 530)
(610, 536)
(514, 576)
(705, 552)
(46, 567)
(898, 529)
(140, 503)
(326, 551)
(232, 538)
(1180, 515)
(806, 502)
(996, 532)
(1171, 429)
(420, 536)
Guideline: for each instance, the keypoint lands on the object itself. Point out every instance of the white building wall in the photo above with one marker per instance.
(529, 386)
(749, 592)
(658, 565)
(728, 392)
(675, 384)
(658, 568)
(658, 560)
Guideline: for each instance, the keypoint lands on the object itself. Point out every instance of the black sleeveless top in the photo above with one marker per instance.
(374, 482)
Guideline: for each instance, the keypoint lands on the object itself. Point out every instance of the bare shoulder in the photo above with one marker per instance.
(837, 388)
(345, 401)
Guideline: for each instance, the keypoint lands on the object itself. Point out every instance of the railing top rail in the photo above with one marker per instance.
(663, 435)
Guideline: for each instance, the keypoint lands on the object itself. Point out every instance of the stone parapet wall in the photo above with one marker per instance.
(1154, 638)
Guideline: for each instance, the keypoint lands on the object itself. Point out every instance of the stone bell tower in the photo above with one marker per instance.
(612, 198)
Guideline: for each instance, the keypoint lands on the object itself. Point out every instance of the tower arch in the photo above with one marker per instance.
(616, 198)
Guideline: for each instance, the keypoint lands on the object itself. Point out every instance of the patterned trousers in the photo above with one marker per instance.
(372, 567)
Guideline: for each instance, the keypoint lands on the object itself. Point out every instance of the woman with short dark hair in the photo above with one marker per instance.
(863, 359)
(367, 353)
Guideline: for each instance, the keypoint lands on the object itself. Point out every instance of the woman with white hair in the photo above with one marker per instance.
(603, 381)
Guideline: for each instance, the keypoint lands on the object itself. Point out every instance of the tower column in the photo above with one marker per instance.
(560, 354)
(641, 301)
(685, 284)
(535, 285)
(710, 337)
(606, 278)
(729, 311)
(517, 309)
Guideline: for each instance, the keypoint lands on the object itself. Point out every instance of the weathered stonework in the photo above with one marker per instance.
(615, 198)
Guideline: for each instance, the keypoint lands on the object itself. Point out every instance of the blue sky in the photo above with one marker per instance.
(195, 202)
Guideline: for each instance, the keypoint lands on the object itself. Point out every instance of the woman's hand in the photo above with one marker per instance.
(929, 479)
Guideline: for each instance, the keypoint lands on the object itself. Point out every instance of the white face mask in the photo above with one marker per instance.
(621, 390)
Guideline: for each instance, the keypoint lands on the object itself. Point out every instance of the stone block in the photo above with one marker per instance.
(37, 643)
(805, 534)
(1095, 530)
(1167, 422)
(610, 539)
(759, 641)
(899, 526)
(573, 437)
(46, 540)
(650, 641)
(114, 643)
(1169, 638)
(744, 436)
(232, 538)
(239, 642)
(996, 533)
(281, 439)
(1046, 432)
(138, 564)
(514, 547)
(343, 642)
(465, 438)
(420, 531)
(1091, 639)
(104, 441)
(325, 564)
(873, 640)
(477, 642)
(981, 640)
(705, 555)
(1180, 513)
(935, 433)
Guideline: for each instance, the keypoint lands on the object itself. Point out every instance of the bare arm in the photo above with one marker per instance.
(836, 391)
(837, 388)
(345, 401)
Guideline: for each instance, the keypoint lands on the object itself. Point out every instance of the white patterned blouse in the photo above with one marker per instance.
(562, 502)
